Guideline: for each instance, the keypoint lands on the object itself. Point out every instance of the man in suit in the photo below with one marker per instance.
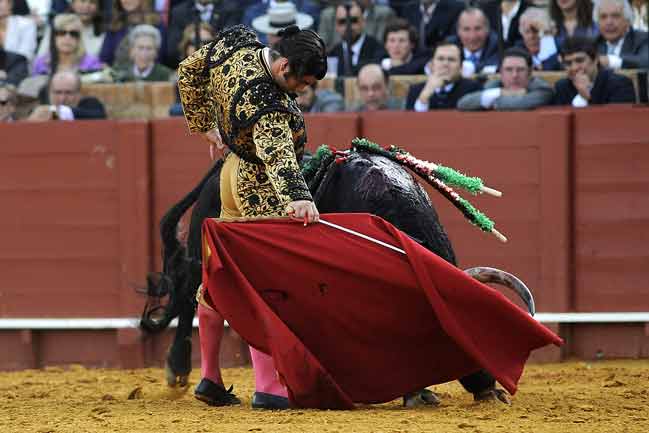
(479, 44)
(587, 83)
(516, 90)
(361, 49)
(434, 20)
(375, 16)
(508, 12)
(65, 101)
(217, 13)
(445, 85)
(619, 45)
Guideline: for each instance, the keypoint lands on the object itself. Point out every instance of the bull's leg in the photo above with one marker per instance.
(210, 389)
(425, 397)
(179, 358)
(483, 387)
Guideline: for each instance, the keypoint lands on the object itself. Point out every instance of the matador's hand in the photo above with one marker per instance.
(217, 148)
(303, 210)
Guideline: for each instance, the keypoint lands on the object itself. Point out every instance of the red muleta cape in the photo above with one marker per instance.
(347, 320)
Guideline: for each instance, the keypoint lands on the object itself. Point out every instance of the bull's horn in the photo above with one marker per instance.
(493, 275)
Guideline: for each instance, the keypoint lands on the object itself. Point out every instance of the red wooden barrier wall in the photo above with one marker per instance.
(612, 209)
(81, 203)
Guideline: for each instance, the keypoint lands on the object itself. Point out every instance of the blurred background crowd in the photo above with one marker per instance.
(474, 55)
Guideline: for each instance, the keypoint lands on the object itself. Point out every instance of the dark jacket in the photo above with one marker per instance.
(492, 10)
(15, 65)
(442, 100)
(226, 13)
(490, 56)
(416, 66)
(441, 25)
(89, 108)
(371, 52)
(608, 88)
(635, 49)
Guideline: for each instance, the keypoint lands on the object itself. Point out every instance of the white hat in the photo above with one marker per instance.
(279, 16)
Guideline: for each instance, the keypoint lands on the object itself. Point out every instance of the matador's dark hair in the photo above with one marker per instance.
(305, 51)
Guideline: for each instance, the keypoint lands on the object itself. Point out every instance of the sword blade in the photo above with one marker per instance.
(361, 235)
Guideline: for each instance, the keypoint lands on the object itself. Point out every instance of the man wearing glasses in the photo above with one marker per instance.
(587, 83)
(357, 47)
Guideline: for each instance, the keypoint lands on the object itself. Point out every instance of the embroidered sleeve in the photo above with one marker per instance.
(194, 85)
(274, 146)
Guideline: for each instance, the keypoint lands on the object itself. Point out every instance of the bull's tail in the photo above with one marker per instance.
(175, 264)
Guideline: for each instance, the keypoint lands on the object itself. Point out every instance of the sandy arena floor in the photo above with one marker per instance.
(611, 397)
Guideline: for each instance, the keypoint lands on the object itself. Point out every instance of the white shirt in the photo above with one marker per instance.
(64, 112)
(468, 67)
(579, 101)
(142, 74)
(356, 49)
(488, 97)
(507, 19)
(614, 50)
(421, 107)
(386, 63)
(20, 36)
(205, 11)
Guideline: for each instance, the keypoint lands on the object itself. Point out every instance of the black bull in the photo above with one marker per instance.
(362, 182)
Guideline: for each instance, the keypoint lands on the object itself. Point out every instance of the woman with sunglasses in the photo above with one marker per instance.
(92, 32)
(67, 51)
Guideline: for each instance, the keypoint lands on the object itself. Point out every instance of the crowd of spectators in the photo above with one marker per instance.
(454, 44)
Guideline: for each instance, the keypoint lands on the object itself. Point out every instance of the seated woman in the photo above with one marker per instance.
(144, 42)
(92, 32)
(572, 18)
(67, 51)
(534, 26)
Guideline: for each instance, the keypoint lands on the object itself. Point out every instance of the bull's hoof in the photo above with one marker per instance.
(492, 394)
(425, 397)
(178, 364)
(215, 394)
(174, 379)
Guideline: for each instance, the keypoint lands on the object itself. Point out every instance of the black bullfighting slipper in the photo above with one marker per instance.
(262, 400)
(214, 394)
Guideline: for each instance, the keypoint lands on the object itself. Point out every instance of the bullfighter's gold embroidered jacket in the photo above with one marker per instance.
(226, 84)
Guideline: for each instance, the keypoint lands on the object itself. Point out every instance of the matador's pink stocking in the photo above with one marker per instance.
(266, 379)
(210, 330)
